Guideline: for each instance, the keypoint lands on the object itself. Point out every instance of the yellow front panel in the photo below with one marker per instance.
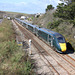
(19, 44)
(63, 47)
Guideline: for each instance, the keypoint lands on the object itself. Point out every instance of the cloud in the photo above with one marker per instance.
(20, 4)
(59, 1)
(28, 6)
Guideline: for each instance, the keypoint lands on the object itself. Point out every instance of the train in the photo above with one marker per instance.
(56, 40)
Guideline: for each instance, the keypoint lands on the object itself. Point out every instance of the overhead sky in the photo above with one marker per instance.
(26, 6)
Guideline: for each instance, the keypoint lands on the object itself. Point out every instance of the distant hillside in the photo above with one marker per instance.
(43, 20)
(1, 14)
(12, 14)
(58, 25)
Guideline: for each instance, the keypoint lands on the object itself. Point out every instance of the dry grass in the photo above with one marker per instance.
(1, 35)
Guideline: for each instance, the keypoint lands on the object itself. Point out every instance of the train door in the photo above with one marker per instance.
(50, 40)
(22, 23)
(36, 31)
(26, 26)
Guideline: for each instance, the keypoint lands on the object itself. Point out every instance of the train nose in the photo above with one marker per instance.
(63, 47)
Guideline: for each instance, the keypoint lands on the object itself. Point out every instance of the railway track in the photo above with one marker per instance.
(57, 62)
(64, 56)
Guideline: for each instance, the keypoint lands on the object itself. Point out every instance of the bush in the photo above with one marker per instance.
(54, 24)
(73, 22)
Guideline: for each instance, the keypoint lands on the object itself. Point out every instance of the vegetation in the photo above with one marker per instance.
(54, 24)
(66, 11)
(49, 7)
(13, 60)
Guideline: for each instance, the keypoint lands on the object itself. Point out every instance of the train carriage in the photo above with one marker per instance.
(43, 34)
(25, 24)
(31, 28)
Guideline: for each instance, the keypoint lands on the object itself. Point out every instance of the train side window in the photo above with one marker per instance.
(49, 36)
(49, 39)
(40, 32)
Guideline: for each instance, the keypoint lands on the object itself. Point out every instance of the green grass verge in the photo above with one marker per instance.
(13, 60)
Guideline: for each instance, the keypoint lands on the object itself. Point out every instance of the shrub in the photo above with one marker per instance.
(54, 24)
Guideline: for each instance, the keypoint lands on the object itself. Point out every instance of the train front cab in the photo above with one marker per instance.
(61, 44)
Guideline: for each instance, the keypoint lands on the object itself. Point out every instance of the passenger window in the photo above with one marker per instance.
(49, 36)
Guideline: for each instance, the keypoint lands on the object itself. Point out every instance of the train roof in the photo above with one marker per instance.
(32, 25)
(26, 23)
(48, 31)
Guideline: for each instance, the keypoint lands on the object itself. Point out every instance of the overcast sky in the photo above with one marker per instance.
(26, 6)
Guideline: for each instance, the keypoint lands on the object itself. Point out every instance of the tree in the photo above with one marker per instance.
(68, 1)
(66, 11)
(49, 7)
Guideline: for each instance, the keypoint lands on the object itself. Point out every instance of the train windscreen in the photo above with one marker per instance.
(61, 39)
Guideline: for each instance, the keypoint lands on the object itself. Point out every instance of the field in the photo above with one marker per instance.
(13, 60)
(12, 14)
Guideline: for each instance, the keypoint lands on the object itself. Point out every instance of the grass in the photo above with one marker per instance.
(13, 60)
(6, 31)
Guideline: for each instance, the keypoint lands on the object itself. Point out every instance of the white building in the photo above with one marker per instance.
(23, 17)
(38, 14)
(8, 18)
